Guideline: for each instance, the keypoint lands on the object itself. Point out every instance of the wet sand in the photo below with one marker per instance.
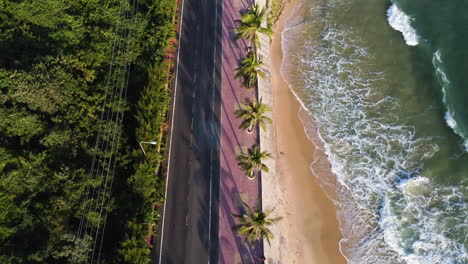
(309, 229)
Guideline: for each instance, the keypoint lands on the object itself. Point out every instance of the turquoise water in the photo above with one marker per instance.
(385, 85)
(442, 31)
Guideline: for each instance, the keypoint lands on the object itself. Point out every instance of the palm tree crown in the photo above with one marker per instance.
(253, 113)
(254, 224)
(251, 162)
(249, 69)
(250, 25)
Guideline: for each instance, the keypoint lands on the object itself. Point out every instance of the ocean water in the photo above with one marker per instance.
(385, 86)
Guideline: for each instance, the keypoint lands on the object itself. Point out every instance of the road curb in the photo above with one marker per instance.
(271, 193)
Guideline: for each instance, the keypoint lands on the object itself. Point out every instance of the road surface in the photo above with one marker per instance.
(189, 223)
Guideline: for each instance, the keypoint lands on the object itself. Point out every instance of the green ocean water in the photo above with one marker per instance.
(386, 85)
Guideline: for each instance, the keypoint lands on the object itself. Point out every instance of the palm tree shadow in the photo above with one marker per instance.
(231, 202)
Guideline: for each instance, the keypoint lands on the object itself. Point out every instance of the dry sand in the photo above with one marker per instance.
(309, 229)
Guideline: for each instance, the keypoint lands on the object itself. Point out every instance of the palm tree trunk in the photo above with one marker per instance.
(250, 128)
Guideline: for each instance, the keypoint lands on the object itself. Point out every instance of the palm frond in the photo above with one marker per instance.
(250, 24)
(254, 224)
(253, 113)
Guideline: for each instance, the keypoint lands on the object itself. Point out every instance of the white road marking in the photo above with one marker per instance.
(212, 127)
(172, 126)
(194, 78)
(191, 135)
(172, 130)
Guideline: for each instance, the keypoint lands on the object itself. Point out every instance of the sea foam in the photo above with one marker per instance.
(402, 22)
(421, 221)
(367, 152)
(388, 212)
(449, 117)
(452, 123)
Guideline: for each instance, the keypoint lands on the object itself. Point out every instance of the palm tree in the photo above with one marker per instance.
(251, 24)
(254, 224)
(251, 162)
(249, 69)
(253, 113)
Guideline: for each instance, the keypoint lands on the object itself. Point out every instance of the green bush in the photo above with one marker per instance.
(54, 65)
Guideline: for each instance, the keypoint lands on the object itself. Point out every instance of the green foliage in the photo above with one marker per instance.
(249, 69)
(153, 104)
(134, 249)
(276, 7)
(73, 250)
(253, 113)
(252, 23)
(151, 114)
(251, 162)
(254, 224)
(54, 67)
(151, 111)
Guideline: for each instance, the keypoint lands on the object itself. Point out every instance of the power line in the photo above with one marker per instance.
(111, 118)
(100, 124)
(135, 10)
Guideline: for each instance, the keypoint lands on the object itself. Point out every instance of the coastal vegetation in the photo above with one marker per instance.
(253, 113)
(252, 22)
(254, 224)
(276, 8)
(81, 83)
(251, 162)
(249, 69)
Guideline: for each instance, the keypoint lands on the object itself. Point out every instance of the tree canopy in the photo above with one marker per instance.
(253, 113)
(252, 22)
(254, 224)
(60, 66)
(252, 161)
(249, 69)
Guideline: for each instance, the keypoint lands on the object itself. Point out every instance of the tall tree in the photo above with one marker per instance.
(249, 69)
(251, 24)
(251, 162)
(254, 224)
(62, 68)
(253, 113)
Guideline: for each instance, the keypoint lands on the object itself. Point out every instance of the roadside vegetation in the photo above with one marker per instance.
(254, 21)
(254, 224)
(276, 8)
(252, 114)
(81, 84)
(251, 162)
(249, 69)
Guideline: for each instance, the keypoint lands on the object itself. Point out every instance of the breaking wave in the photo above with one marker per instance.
(422, 222)
(386, 207)
(444, 81)
(402, 22)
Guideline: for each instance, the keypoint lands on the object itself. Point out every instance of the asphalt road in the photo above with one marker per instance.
(189, 224)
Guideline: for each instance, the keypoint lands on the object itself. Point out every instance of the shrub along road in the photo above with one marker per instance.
(189, 223)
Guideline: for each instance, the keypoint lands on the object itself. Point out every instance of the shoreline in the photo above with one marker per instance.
(309, 230)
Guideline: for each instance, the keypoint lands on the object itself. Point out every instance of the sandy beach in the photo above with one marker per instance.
(309, 230)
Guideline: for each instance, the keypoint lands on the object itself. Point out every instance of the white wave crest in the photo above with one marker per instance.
(370, 151)
(367, 151)
(452, 123)
(402, 22)
(439, 68)
(449, 117)
(423, 223)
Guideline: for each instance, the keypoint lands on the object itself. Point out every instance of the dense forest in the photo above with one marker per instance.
(82, 82)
